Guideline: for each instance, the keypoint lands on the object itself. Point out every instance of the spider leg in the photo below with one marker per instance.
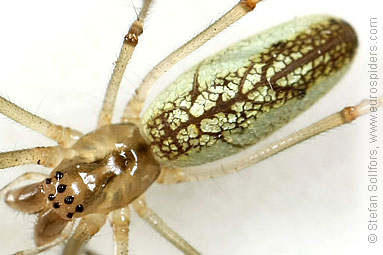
(89, 225)
(46, 156)
(127, 49)
(135, 105)
(120, 220)
(62, 135)
(160, 226)
(21, 178)
(348, 114)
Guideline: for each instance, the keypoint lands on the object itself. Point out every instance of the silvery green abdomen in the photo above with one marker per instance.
(242, 94)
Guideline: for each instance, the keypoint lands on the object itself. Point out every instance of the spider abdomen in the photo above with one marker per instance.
(242, 94)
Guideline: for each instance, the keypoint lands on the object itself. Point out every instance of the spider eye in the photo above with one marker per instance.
(69, 200)
(61, 188)
(59, 175)
(79, 208)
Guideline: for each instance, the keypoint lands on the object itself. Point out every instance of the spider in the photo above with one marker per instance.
(95, 110)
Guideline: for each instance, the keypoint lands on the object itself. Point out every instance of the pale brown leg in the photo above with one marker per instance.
(45, 156)
(348, 114)
(120, 220)
(21, 178)
(135, 105)
(87, 228)
(62, 135)
(127, 49)
(160, 226)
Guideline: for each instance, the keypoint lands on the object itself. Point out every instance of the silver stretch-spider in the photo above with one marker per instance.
(224, 104)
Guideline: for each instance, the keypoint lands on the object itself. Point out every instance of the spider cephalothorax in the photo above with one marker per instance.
(81, 185)
(86, 182)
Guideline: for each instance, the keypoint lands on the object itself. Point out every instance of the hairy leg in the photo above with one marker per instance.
(127, 49)
(45, 156)
(62, 135)
(160, 226)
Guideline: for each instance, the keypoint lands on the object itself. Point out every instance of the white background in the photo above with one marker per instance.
(56, 58)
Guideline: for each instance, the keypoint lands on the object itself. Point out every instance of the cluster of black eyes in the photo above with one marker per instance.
(61, 189)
